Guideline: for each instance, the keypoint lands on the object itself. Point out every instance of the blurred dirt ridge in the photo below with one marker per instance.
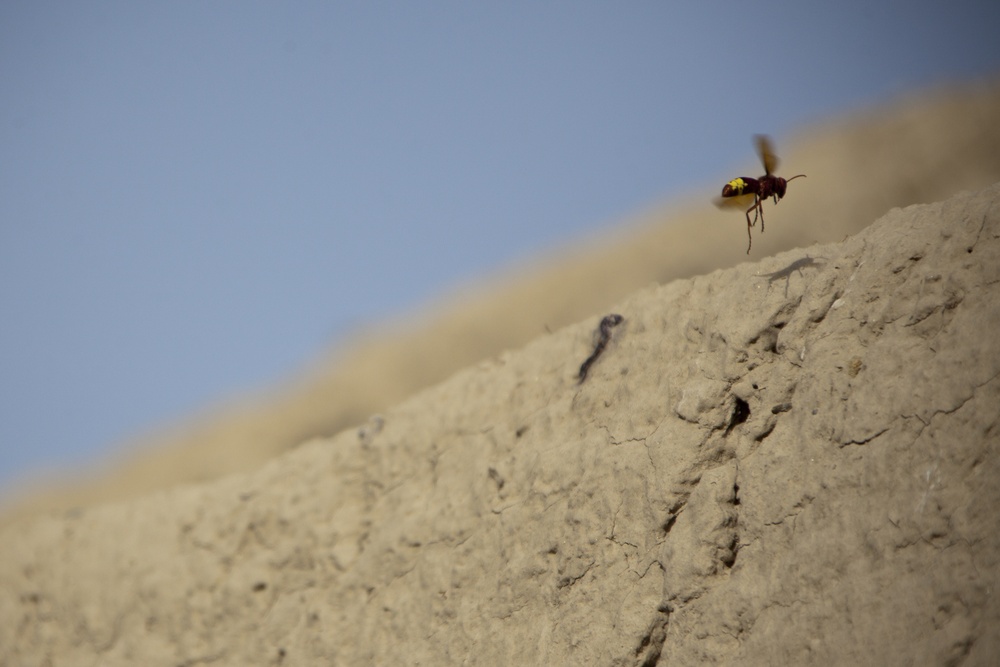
(919, 148)
(916, 149)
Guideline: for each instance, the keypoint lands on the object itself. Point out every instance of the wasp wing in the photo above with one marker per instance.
(742, 202)
(766, 152)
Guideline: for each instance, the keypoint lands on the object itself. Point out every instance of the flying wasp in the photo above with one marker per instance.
(741, 191)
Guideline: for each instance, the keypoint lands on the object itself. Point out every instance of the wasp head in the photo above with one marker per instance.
(781, 184)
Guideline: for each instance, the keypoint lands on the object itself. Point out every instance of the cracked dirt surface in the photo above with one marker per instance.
(795, 461)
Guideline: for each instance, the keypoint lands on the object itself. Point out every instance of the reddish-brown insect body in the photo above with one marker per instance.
(744, 190)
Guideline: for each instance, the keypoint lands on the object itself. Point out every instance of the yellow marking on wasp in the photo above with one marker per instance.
(738, 184)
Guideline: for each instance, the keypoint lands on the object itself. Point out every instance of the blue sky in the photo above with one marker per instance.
(197, 198)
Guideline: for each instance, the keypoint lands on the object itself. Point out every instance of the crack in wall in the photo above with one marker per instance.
(650, 646)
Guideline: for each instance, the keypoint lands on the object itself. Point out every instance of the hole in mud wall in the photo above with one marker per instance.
(741, 413)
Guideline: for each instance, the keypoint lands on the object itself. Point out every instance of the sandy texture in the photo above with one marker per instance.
(920, 148)
(792, 462)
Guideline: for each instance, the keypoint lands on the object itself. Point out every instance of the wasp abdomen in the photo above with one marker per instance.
(738, 186)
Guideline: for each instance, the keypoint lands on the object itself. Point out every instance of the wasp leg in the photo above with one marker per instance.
(758, 210)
